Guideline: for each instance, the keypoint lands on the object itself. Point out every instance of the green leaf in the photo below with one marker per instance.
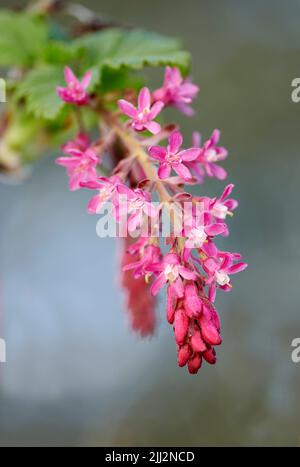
(22, 38)
(109, 54)
(61, 53)
(39, 91)
(117, 49)
(139, 48)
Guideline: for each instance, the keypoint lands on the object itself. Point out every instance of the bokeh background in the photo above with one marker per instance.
(76, 374)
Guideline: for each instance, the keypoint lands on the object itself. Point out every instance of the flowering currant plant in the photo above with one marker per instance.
(86, 93)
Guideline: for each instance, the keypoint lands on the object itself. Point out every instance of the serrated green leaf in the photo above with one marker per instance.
(39, 91)
(139, 48)
(109, 54)
(117, 49)
(22, 38)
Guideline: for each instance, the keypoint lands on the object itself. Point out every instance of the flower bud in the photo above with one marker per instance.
(181, 324)
(184, 355)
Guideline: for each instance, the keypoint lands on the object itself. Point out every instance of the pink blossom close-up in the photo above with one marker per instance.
(143, 116)
(173, 158)
(76, 90)
(177, 91)
(80, 162)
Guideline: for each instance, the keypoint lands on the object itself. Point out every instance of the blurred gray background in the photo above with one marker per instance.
(76, 374)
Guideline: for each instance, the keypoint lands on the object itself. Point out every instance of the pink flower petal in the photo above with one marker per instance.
(185, 109)
(158, 284)
(127, 108)
(67, 161)
(209, 249)
(218, 172)
(144, 99)
(196, 138)
(86, 80)
(155, 110)
(231, 204)
(239, 267)
(94, 205)
(187, 274)
(227, 191)
(74, 182)
(189, 154)
(175, 142)
(158, 152)
(164, 171)
(210, 265)
(91, 184)
(215, 229)
(153, 127)
(189, 90)
(70, 78)
(226, 262)
(215, 137)
(182, 171)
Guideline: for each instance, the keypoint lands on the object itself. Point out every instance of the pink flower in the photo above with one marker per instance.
(107, 192)
(210, 154)
(81, 143)
(149, 255)
(137, 203)
(172, 158)
(222, 207)
(177, 91)
(143, 116)
(199, 234)
(195, 167)
(171, 271)
(219, 270)
(80, 164)
(75, 92)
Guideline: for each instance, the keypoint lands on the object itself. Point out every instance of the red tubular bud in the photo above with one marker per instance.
(184, 354)
(197, 342)
(194, 364)
(210, 333)
(210, 356)
(171, 306)
(192, 301)
(181, 324)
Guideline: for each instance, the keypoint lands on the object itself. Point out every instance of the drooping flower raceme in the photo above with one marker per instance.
(143, 167)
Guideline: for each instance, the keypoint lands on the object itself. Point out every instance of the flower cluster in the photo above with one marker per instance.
(153, 163)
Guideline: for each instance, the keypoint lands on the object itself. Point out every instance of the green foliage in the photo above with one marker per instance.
(38, 49)
(110, 54)
(117, 49)
(22, 39)
(39, 90)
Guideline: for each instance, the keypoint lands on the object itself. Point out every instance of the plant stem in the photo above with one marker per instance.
(135, 149)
